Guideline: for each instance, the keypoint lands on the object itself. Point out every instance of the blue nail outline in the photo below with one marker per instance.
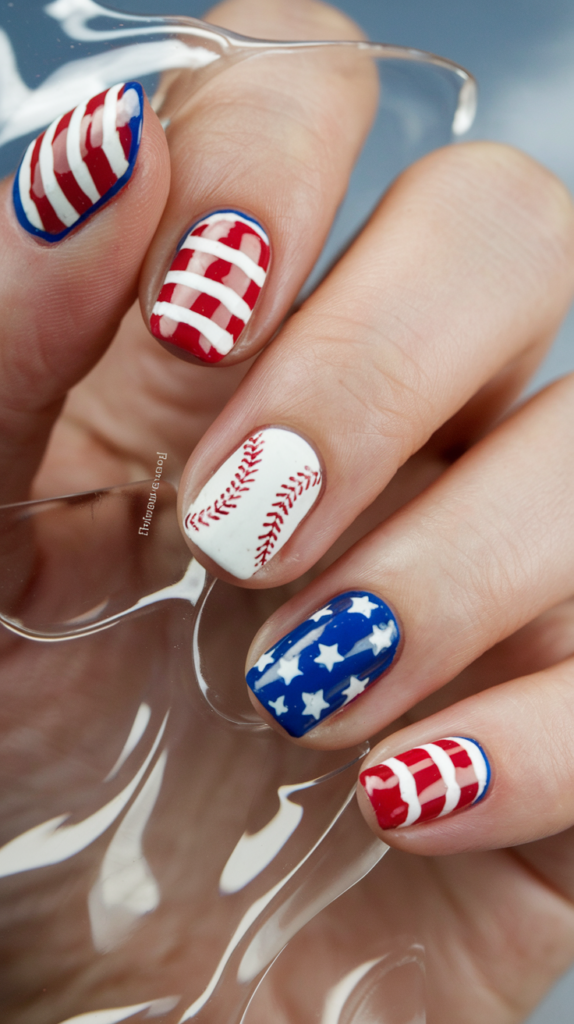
(213, 213)
(352, 625)
(488, 769)
(136, 125)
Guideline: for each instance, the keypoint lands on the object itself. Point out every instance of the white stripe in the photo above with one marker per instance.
(24, 187)
(230, 299)
(233, 218)
(221, 340)
(111, 144)
(62, 206)
(478, 762)
(448, 772)
(74, 155)
(225, 252)
(408, 789)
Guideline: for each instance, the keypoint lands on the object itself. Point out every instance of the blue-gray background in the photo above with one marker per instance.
(522, 52)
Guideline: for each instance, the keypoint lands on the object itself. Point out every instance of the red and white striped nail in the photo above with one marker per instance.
(430, 781)
(212, 286)
(79, 162)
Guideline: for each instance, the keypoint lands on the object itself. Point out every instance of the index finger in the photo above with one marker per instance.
(261, 157)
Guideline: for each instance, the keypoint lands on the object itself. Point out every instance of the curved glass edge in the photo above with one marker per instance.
(188, 43)
(179, 575)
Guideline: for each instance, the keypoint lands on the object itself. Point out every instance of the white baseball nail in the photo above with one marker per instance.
(255, 501)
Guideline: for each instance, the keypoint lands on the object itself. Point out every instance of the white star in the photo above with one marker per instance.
(363, 606)
(329, 656)
(354, 688)
(381, 638)
(264, 661)
(320, 614)
(289, 669)
(314, 704)
(279, 705)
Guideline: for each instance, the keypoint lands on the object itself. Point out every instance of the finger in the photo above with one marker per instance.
(75, 225)
(466, 564)
(468, 262)
(261, 157)
(517, 781)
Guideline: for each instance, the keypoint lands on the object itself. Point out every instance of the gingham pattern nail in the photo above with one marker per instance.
(212, 286)
(79, 163)
(432, 780)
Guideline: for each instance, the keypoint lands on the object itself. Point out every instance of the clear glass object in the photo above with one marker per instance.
(159, 845)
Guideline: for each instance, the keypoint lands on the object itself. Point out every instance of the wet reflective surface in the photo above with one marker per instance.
(158, 842)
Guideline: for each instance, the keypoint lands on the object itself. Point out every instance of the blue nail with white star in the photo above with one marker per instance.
(326, 661)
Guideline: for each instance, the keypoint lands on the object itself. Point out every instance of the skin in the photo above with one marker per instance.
(401, 369)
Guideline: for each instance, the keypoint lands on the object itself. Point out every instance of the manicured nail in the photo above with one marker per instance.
(212, 286)
(327, 661)
(81, 161)
(429, 781)
(255, 501)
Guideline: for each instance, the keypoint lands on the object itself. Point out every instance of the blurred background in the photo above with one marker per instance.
(522, 53)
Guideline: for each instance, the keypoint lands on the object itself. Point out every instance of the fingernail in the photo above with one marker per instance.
(211, 288)
(255, 501)
(430, 781)
(327, 661)
(81, 161)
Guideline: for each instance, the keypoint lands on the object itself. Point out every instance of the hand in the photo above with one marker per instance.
(391, 382)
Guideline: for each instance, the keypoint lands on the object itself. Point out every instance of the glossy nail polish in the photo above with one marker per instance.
(212, 286)
(429, 781)
(255, 501)
(79, 162)
(326, 661)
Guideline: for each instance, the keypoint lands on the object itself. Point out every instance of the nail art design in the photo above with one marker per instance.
(429, 781)
(212, 286)
(79, 162)
(327, 661)
(255, 501)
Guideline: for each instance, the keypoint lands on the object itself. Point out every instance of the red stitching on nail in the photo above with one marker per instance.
(274, 519)
(241, 483)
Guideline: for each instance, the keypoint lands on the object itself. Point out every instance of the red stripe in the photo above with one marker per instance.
(430, 785)
(166, 293)
(238, 236)
(124, 131)
(64, 175)
(219, 269)
(91, 139)
(50, 220)
(185, 337)
(389, 806)
(465, 773)
(208, 306)
(251, 295)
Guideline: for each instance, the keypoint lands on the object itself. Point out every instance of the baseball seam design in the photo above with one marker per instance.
(244, 477)
(280, 509)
